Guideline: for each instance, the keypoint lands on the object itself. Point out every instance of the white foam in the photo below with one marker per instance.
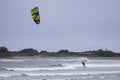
(72, 66)
(59, 73)
(37, 69)
(70, 74)
(58, 67)
(103, 65)
(65, 66)
(9, 75)
(10, 60)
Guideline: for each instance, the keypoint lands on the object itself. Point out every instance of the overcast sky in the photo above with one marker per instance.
(76, 25)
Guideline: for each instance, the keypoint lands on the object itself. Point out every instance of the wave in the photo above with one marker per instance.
(10, 74)
(70, 74)
(77, 65)
(63, 67)
(103, 65)
(56, 65)
(63, 74)
(49, 68)
(1, 68)
(12, 60)
(36, 69)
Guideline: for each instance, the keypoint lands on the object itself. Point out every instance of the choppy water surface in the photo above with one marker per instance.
(57, 67)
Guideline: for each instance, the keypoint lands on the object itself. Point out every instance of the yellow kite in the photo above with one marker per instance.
(35, 15)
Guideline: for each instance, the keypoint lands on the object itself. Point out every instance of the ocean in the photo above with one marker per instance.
(59, 69)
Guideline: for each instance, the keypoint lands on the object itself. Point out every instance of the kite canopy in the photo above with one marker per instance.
(35, 15)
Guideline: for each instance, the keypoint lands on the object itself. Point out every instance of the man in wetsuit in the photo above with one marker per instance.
(83, 63)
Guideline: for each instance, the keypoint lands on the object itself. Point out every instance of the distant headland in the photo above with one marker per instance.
(29, 52)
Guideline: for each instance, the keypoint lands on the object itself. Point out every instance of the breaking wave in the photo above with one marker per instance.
(60, 74)
(63, 66)
(12, 60)
(50, 67)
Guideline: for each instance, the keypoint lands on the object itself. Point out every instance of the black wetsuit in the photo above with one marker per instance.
(83, 63)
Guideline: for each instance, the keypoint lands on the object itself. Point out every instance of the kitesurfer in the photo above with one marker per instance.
(83, 63)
